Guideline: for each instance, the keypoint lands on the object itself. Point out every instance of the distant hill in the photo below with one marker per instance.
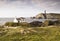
(49, 15)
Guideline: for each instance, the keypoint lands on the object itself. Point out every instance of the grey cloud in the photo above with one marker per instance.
(48, 4)
(45, 4)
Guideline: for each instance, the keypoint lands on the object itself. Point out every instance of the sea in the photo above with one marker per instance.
(4, 20)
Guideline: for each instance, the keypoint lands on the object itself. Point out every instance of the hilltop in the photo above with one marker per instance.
(48, 15)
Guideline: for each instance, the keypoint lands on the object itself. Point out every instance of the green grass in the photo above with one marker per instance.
(35, 34)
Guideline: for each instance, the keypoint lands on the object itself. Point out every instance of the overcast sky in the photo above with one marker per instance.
(27, 8)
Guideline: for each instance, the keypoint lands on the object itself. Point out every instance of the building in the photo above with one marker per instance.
(15, 20)
(40, 17)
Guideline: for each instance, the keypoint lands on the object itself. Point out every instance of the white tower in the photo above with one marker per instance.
(15, 20)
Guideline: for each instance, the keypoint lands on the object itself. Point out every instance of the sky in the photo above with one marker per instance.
(27, 8)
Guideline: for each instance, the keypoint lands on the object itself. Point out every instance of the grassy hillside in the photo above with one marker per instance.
(30, 34)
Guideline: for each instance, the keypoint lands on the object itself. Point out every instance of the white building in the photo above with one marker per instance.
(15, 20)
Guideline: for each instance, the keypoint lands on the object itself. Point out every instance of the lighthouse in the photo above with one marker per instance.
(15, 20)
(45, 14)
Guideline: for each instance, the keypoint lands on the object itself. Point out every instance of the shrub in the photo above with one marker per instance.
(25, 24)
(57, 22)
(54, 22)
(46, 23)
(11, 24)
(2, 26)
(51, 23)
(35, 23)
